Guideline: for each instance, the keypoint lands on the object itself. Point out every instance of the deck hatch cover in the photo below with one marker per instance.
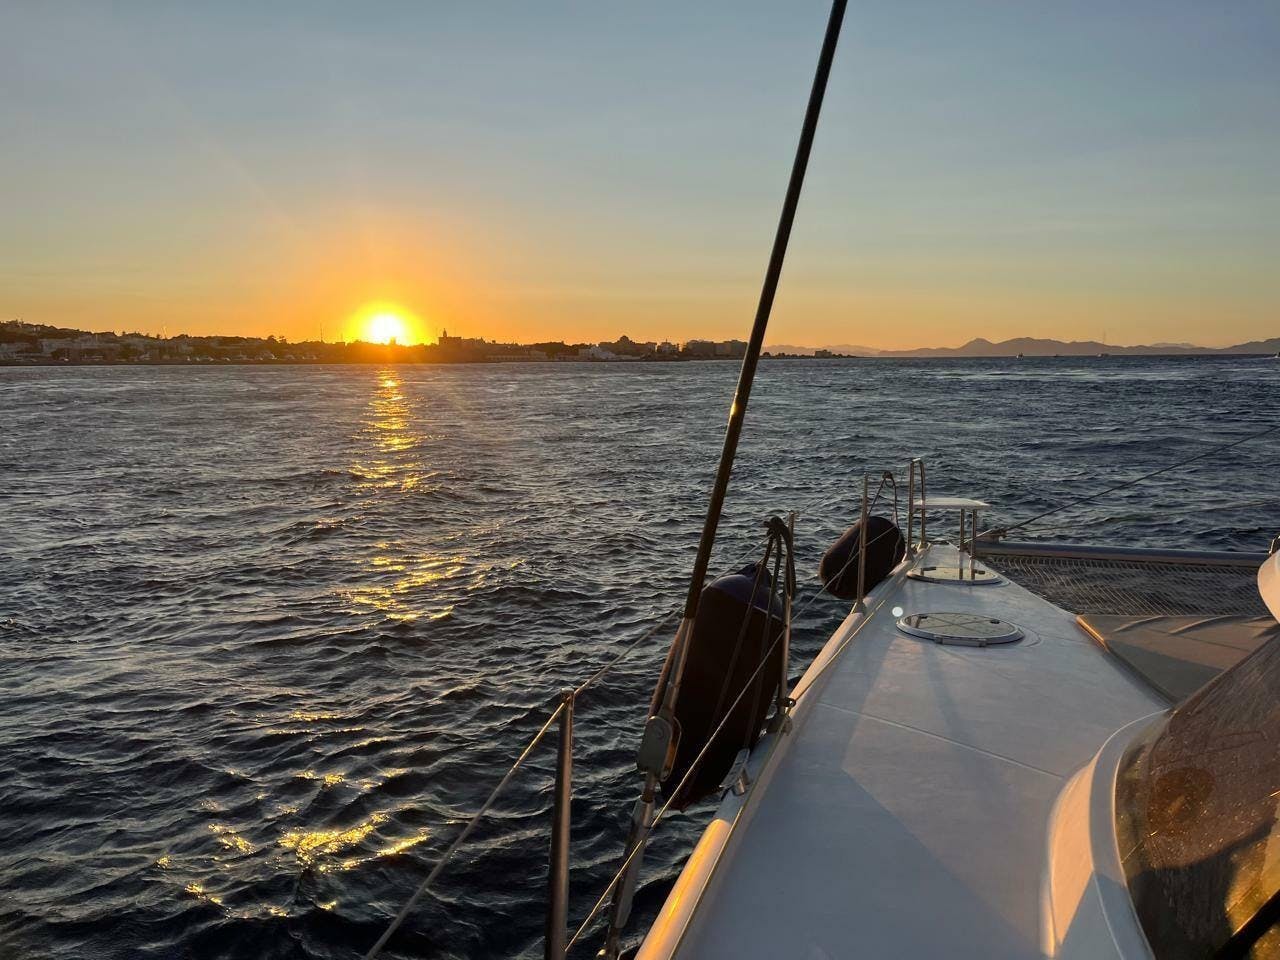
(963, 629)
(953, 573)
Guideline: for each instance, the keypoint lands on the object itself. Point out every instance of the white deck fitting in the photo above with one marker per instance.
(951, 503)
(958, 573)
(967, 629)
(908, 816)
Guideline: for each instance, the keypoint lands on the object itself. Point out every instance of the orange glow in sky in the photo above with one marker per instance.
(1029, 171)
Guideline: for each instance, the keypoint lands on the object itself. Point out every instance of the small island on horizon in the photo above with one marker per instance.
(30, 344)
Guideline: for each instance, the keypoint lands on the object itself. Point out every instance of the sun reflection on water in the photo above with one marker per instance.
(399, 580)
(198, 891)
(387, 422)
(324, 850)
(229, 839)
(313, 716)
(311, 845)
(416, 574)
(391, 431)
(400, 846)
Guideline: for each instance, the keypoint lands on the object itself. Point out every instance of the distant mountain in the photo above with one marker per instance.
(1271, 346)
(1033, 347)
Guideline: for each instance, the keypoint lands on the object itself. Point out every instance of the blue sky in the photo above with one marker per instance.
(546, 170)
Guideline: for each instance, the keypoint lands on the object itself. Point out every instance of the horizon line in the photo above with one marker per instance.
(864, 348)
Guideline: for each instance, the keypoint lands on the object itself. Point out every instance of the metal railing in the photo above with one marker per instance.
(557, 934)
(863, 514)
(911, 505)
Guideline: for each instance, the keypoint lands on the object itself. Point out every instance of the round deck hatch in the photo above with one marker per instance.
(954, 573)
(964, 629)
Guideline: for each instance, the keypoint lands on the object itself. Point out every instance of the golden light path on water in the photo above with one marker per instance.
(394, 582)
(386, 470)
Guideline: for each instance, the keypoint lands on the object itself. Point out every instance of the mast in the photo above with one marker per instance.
(658, 744)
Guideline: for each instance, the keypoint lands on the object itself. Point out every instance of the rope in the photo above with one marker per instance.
(866, 617)
(458, 840)
(648, 635)
(761, 567)
(835, 576)
(802, 511)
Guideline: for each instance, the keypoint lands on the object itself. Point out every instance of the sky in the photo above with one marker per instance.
(532, 171)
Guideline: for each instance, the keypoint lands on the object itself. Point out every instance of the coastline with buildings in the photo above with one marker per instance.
(28, 344)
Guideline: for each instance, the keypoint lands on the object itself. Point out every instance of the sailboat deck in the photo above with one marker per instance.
(907, 816)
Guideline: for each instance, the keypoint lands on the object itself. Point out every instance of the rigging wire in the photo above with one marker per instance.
(1131, 482)
(453, 847)
(590, 681)
(648, 830)
(585, 685)
(662, 704)
(458, 840)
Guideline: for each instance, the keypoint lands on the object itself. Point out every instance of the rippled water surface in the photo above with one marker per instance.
(267, 635)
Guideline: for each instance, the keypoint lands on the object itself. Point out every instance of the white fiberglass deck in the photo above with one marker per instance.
(907, 816)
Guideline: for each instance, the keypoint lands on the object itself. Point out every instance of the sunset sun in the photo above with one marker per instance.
(386, 323)
(386, 327)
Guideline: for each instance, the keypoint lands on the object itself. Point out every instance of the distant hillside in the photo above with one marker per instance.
(1032, 347)
(1271, 346)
